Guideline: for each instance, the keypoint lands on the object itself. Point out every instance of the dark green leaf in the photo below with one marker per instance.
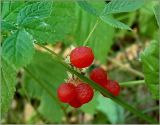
(150, 63)
(88, 8)
(118, 6)
(31, 12)
(8, 82)
(113, 22)
(51, 74)
(18, 48)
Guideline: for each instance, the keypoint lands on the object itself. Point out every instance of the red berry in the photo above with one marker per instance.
(84, 93)
(66, 92)
(113, 87)
(75, 103)
(99, 76)
(81, 57)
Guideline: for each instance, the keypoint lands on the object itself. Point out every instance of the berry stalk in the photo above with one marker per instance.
(94, 27)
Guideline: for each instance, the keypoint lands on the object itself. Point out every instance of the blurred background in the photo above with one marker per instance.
(116, 50)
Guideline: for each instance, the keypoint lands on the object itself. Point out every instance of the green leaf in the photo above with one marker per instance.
(38, 10)
(150, 63)
(118, 6)
(5, 7)
(88, 8)
(8, 82)
(50, 109)
(56, 27)
(112, 110)
(147, 21)
(157, 13)
(12, 10)
(6, 26)
(18, 48)
(115, 23)
(51, 74)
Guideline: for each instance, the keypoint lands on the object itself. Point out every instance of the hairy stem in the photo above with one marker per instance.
(101, 89)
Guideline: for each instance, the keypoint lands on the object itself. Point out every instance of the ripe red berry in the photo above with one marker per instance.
(113, 87)
(84, 92)
(75, 103)
(66, 92)
(99, 76)
(81, 57)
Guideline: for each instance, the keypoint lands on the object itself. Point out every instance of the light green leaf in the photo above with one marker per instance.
(118, 6)
(112, 110)
(150, 61)
(7, 84)
(87, 7)
(38, 10)
(115, 23)
(18, 48)
(157, 13)
(51, 74)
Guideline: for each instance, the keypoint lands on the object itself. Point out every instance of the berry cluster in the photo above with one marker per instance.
(99, 76)
(76, 93)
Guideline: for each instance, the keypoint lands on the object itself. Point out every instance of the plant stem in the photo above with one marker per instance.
(137, 82)
(101, 89)
(126, 68)
(47, 90)
(93, 29)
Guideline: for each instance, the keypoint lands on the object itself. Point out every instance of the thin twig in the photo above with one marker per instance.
(93, 29)
(137, 82)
